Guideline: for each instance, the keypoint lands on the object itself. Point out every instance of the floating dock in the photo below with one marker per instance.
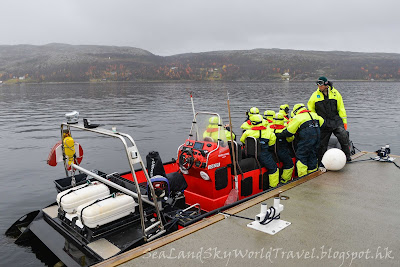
(345, 218)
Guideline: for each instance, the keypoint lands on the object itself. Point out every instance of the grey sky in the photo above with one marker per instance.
(166, 27)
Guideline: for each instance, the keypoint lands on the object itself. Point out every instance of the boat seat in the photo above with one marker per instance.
(237, 149)
(252, 148)
(238, 154)
(248, 164)
(177, 182)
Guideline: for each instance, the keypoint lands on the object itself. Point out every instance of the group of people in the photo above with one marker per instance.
(310, 127)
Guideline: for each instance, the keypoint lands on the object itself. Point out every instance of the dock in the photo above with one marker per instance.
(346, 218)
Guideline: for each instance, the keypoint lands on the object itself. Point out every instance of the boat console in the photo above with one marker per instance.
(204, 159)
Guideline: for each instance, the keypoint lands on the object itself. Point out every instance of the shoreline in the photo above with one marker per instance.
(190, 81)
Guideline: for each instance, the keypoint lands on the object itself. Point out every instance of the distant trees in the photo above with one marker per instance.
(264, 65)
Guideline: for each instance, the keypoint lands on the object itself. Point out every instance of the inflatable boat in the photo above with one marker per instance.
(98, 215)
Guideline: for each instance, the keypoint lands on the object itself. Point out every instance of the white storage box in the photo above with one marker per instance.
(72, 200)
(107, 210)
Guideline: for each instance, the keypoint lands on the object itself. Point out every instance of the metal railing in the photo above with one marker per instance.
(133, 157)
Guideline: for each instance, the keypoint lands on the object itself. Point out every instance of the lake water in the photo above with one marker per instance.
(158, 116)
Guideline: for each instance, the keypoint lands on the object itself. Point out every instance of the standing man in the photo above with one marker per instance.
(328, 103)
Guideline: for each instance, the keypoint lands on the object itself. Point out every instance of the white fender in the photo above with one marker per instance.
(334, 159)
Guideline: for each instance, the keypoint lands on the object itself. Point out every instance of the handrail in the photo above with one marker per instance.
(138, 159)
(107, 182)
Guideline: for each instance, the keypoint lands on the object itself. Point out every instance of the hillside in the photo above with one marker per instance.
(83, 63)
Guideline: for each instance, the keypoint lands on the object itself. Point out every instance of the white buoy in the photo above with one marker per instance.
(334, 159)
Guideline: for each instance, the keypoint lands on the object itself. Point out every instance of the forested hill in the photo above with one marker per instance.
(84, 63)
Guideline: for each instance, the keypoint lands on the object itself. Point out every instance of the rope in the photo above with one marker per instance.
(389, 161)
(356, 148)
(396, 164)
(251, 219)
(267, 219)
(360, 160)
(181, 215)
(372, 159)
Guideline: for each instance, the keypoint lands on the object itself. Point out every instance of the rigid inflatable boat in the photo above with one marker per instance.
(98, 215)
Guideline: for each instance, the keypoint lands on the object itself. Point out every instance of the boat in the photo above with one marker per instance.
(98, 215)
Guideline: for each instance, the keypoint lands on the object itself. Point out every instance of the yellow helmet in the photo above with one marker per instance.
(297, 108)
(256, 119)
(213, 120)
(285, 108)
(269, 114)
(253, 111)
(279, 119)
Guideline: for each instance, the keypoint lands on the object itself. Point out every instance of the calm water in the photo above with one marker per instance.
(158, 117)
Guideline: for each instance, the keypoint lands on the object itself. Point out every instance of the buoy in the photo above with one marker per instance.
(56, 154)
(334, 159)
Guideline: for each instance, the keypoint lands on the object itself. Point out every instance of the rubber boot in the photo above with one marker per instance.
(301, 169)
(313, 170)
(274, 179)
(287, 175)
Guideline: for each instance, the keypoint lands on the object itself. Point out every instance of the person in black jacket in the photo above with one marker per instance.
(327, 102)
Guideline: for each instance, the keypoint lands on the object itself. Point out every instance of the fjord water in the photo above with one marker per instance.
(158, 116)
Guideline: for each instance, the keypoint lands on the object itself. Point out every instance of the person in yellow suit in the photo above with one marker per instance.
(284, 109)
(267, 139)
(307, 124)
(247, 124)
(213, 128)
(268, 117)
(282, 147)
(327, 102)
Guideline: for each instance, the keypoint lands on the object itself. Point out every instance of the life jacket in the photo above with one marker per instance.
(330, 107)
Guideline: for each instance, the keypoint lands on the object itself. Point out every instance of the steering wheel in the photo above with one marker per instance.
(186, 159)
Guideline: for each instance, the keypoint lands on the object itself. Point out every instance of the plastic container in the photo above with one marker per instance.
(74, 197)
(105, 211)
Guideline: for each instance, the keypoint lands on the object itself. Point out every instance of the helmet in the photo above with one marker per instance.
(254, 110)
(269, 114)
(284, 107)
(322, 81)
(297, 108)
(279, 119)
(213, 120)
(256, 119)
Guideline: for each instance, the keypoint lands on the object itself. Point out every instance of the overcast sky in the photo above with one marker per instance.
(167, 27)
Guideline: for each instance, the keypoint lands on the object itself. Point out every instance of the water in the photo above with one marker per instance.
(158, 116)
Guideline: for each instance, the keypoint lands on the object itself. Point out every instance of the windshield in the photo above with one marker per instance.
(208, 127)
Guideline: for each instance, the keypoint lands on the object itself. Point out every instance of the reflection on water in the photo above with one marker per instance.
(158, 116)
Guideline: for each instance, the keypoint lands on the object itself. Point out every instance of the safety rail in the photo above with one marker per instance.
(134, 157)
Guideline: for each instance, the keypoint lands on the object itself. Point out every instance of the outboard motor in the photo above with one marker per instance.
(154, 164)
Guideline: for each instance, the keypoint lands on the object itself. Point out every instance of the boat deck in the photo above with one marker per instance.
(345, 218)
